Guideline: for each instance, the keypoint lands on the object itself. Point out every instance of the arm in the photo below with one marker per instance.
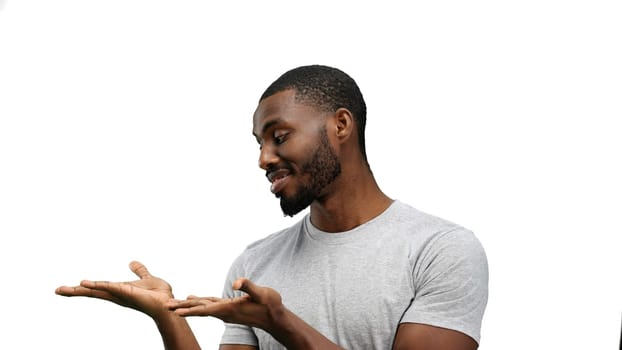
(451, 295)
(176, 333)
(415, 336)
(148, 295)
(261, 307)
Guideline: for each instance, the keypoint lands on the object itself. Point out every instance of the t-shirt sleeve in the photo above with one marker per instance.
(236, 333)
(451, 284)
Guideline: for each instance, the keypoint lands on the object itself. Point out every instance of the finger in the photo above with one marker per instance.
(67, 291)
(139, 269)
(240, 283)
(262, 295)
(172, 303)
(190, 297)
(114, 288)
(79, 291)
(176, 304)
(245, 285)
(211, 306)
(198, 310)
(99, 285)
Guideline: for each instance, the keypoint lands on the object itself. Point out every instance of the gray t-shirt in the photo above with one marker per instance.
(356, 287)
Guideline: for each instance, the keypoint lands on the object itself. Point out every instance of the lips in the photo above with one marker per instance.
(279, 179)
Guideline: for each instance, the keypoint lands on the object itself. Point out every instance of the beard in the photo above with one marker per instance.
(322, 169)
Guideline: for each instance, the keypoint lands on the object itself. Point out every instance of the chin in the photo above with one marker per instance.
(293, 206)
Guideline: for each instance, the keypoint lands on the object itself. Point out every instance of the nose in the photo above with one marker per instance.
(267, 157)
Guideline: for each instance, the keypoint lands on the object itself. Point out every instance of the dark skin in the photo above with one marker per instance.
(287, 132)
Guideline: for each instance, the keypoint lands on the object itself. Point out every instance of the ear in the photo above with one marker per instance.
(344, 124)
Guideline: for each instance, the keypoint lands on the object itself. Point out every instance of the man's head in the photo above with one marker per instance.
(327, 89)
(301, 159)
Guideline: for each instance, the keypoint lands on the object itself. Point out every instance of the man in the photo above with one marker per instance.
(360, 271)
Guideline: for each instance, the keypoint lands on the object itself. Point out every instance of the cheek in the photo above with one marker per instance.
(296, 152)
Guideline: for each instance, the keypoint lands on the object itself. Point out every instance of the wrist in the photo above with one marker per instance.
(163, 316)
(290, 330)
(277, 319)
(175, 331)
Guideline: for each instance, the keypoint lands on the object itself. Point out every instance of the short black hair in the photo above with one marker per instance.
(327, 89)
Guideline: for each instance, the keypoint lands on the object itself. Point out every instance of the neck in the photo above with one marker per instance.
(353, 200)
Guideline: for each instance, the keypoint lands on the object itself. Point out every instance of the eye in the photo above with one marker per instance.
(280, 137)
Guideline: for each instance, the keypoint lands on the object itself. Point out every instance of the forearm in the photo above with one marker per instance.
(176, 332)
(295, 334)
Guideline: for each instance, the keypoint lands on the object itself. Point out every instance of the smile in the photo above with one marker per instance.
(279, 179)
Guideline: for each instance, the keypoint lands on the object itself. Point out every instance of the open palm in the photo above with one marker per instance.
(147, 294)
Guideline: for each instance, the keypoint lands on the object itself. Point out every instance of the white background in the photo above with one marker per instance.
(125, 133)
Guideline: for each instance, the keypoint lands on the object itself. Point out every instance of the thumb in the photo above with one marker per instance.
(139, 269)
(262, 295)
(245, 285)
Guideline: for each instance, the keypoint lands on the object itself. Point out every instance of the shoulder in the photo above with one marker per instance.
(406, 214)
(423, 229)
(437, 238)
(453, 251)
(450, 275)
(439, 247)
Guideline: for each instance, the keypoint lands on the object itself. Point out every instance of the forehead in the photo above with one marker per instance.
(282, 107)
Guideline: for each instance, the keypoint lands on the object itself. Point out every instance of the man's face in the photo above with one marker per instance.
(295, 150)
